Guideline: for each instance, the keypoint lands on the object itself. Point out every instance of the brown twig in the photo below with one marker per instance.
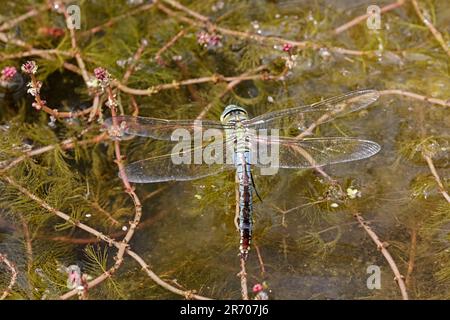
(243, 276)
(12, 281)
(382, 247)
(260, 259)
(415, 96)
(136, 57)
(75, 48)
(114, 235)
(170, 43)
(192, 13)
(35, 52)
(104, 238)
(176, 84)
(28, 240)
(65, 145)
(31, 13)
(412, 257)
(53, 111)
(203, 22)
(114, 20)
(45, 54)
(123, 176)
(435, 32)
(364, 17)
(436, 177)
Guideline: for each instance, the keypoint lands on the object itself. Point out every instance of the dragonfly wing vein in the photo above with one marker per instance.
(303, 117)
(160, 129)
(312, 152)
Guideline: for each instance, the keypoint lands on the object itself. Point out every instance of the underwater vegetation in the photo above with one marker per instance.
(72, 225)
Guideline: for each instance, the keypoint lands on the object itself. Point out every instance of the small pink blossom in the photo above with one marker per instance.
(8, 73)
(206, 39)
(214, 40)
(102, 75)
(287, 47)
(203, 38)
(29, 67)
(257, 288)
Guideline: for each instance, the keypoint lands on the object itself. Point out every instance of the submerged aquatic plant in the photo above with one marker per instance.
(62, 200)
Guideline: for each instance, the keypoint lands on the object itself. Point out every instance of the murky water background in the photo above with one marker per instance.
(316, 251)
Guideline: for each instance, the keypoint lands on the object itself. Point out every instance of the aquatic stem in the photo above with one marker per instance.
(176, 84)
(65, 145)
(123, 176)
(412, 257)
(41, 104)
(45, 54)
(445, 103)
(35, 52)
(150, 221)
(12, 281)
(260, 259)
(76, 49)
(131, 68)
(382, 247)
(123, 246)
(30, 13)
(435, 32)
(170, 43)
(436, 176)
(116, 19)
(361, 221)
(192, 13)
(104, 238)
(243, 276)
(364, 17)
(28, 240)
(203, 22)
(136, 57)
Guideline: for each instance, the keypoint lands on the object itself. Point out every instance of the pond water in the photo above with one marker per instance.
(310, 246)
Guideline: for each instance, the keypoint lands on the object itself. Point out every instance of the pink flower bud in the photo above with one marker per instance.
(287, 47)
(257, 288)
(103, 76)
(8, 73)
(29, 67)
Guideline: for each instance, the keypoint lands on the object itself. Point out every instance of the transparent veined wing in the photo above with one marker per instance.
(161, 129)
(304, 117)
(283, 152)
(182, 164)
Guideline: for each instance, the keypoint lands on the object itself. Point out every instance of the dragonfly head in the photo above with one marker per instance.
(233, 111)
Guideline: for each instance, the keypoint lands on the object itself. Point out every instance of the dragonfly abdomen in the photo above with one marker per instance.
(245, 201)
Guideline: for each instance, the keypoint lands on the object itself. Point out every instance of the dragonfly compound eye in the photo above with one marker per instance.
(231, 110)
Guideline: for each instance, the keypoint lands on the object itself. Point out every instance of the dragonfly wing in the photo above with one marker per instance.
(122, 127)
(285, 152)
(180, 165)
(303, 117)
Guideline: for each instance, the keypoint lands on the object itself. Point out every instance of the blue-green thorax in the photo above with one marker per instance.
(234, 115)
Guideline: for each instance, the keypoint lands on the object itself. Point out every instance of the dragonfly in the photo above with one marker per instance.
(240, 139)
